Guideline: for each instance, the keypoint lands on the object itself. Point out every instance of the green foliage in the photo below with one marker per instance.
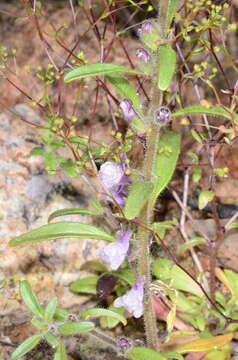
(61, 230)
(167, 64)
(92, 70)
(165, 163)
(138, 195)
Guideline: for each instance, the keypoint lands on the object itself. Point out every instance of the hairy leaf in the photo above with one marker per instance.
(61, 230)
(167, 64)
(74, 328)
(202, 109)
(91, 70)
(165, 163)
(96, 312)
(26, 346)
(124, 88)
(86, 285)
(71, 211)
(60, 352)
(138, 195)
(143, 353)
(30, 298)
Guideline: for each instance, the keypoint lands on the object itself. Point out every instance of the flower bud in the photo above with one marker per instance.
(127, 109)
(162, 116)
(143, 55)
(146, 26)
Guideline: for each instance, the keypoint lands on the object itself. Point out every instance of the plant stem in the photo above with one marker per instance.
(144, 268)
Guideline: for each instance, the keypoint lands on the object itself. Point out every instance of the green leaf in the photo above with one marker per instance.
(94, 265)
(171, 11)
(61, 314)
(26, 346)
(86, 285)
(166, 271)
(50, 309)
(167, 64)
(161, 227)
(205, 345)
(233, 281)
(71, 211)
(173, 355)
(60, 352)
(51, 339)
(196, 136)
(165, 163)
(204, 197)
(30, 299)
(143, 353)
(51, 161)
(110, 322)
(202, 109)
(124, 88)
(197, 173)
(39, 325)
(139, 193)
(74, 328)
(37, 151)
(91, 70)
(126, 275)
(60, 230)
(103, 312)
(190, 244)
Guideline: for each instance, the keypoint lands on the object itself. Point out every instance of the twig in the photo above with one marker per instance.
(184, 233)
(195, 226)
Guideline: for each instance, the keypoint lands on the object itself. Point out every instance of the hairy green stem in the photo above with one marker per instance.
(163, 17)
(144, 266)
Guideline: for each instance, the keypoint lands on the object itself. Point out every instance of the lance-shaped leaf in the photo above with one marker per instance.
(60, 352)
(168, 272)
(74, 328)
(103, 312)
(138, 195)
(86, 285)
(30, 299)
(167, 64)
(92, 70)
(202, 109)
(124, 88)
(190, 244)
(60, 230)
(205, 345)
(70, 211)
(50, 309)
(26, 346)
(143, 353)
(171, 11)
(165, 163)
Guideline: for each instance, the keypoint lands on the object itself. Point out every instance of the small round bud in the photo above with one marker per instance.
(143, 55)
(123, 343)
(146, 26)
(162, 116)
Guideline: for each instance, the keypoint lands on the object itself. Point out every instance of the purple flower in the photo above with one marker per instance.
(162, 116)
(143, 55)
(133, 299)
(115, 253)
(146, 26)
(114, 181)
(128, 110)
